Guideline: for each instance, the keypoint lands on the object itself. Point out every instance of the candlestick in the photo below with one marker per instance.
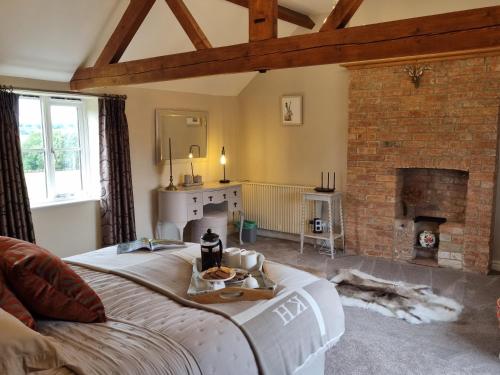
(170, 153)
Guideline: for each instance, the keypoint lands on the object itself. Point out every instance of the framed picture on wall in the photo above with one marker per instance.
(291, 109)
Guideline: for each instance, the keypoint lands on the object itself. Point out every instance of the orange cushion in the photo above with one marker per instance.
(46, 285)
(13, 306)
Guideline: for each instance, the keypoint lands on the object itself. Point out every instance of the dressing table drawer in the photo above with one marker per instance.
(235, 192)
(212, 197)
(195, 199)
(194, 206)
(223, 195)
(234, 205)
(234, 198)
(195, 212)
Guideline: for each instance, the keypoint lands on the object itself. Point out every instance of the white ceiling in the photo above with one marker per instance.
(50, 39)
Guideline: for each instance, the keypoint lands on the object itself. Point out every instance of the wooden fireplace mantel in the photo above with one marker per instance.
(484, 52)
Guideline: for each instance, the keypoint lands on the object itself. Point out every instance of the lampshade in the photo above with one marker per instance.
(223, 163)
(190, 155)
(223, 157)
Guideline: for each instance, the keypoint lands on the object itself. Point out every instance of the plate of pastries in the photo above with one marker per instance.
(216, 274)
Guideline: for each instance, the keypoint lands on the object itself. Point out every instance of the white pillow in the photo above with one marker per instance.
(25, 351)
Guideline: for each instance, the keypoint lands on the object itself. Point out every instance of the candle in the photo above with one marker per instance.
(170, 153)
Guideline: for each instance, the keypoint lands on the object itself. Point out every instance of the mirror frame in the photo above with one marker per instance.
(160, 158)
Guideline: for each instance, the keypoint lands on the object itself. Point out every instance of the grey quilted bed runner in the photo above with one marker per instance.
(305, 316)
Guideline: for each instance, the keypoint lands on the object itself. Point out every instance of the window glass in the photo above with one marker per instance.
(32, 145)
(64, 120)
(68, 176)
(66, 147)
(30, 123)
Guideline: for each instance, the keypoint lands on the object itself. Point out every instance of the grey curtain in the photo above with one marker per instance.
(117, 200)
(15, 213)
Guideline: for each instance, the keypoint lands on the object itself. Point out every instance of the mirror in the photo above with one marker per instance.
(187, 130)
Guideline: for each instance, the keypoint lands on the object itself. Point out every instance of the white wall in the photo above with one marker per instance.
(295, 154)
(68, 229)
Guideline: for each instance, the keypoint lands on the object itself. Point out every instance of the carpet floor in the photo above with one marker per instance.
(375, 344)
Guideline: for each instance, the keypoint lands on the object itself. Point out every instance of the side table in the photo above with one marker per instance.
(334, 206)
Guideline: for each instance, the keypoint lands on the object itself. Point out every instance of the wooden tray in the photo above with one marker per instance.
(200, 291)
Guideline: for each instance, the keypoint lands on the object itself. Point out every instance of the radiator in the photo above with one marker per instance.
(274, 207)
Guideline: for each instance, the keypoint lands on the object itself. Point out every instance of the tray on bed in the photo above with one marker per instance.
(203, 291)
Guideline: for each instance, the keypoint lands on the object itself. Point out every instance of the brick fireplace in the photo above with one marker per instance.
(435, 200)
(424, 159)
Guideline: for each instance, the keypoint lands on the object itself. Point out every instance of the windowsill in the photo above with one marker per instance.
(68, 202)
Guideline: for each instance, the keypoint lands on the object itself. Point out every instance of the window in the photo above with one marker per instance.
(55, 148)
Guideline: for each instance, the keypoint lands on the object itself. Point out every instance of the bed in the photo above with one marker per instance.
(153, 328)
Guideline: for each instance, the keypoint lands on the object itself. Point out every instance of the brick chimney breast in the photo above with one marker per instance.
(439, 139)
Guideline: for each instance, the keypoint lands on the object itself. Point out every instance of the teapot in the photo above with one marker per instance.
(210, 256)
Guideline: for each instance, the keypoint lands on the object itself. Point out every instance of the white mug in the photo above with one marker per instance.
(232, 257)
(248, 259)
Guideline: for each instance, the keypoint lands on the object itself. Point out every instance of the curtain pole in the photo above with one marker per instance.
(55, 92)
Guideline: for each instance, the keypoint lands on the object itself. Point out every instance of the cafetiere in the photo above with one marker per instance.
(210, 255)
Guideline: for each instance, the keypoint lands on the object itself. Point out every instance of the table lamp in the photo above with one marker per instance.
(223, 162)
(191, 156)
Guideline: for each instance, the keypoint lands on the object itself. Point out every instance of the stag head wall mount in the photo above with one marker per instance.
(416, 72)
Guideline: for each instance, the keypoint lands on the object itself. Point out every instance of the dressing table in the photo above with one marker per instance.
(187, 203)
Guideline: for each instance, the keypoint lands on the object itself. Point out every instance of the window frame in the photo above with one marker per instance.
(84, 149)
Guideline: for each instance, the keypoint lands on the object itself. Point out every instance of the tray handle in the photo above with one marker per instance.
(231, 295)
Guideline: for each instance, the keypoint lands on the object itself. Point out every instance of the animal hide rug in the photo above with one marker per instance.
(414, 303)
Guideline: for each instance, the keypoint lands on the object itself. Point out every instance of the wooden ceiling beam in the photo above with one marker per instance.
(443, 33)
(262, 19)
(284, 14)
(341, 14)
(130, 22)
(189, 24)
